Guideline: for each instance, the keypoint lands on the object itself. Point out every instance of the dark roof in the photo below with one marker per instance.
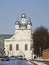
(17, 23)
(23, 15)
(6, 36)
(23, 26)
(29, 23)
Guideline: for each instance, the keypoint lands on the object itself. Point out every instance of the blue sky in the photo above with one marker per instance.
(38, 10)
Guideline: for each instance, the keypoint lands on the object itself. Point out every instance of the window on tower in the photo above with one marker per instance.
(26, 47)
(31, 46)
(17, 47)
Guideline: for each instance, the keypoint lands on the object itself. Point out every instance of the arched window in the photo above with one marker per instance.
(10, 47)
(17, 47)
(26, 47)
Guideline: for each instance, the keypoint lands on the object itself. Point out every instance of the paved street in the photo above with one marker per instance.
(15, 62)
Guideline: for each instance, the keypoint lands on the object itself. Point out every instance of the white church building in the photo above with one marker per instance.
(21, 42)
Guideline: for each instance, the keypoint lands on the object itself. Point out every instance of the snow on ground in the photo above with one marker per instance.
(15, 62)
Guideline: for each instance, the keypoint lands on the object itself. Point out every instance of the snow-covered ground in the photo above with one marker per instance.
(15, 62)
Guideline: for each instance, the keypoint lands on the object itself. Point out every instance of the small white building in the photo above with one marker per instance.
(20, 43)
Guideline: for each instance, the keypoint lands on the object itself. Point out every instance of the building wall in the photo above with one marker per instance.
(46, 54)
(21, 38)
(21, 50)
(23, 34)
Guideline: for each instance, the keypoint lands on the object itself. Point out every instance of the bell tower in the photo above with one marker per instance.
(23, 17)
(17, 23)
(29, 24)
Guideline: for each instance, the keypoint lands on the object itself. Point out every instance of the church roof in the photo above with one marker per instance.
(6, 36)
(23, 26)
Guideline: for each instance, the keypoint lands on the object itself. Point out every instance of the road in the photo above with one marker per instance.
(15, 62)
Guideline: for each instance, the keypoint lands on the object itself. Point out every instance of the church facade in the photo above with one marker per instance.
(21, 42)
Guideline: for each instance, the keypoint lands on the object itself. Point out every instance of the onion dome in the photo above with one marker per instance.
(23, 15)
(17, 21)
(29, 22)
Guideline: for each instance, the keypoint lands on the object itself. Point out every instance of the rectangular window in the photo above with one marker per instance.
(25, 46)
(10, 47)
(17, 47)
(31, 46)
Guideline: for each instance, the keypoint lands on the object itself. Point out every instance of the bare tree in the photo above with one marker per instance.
(40, 40)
